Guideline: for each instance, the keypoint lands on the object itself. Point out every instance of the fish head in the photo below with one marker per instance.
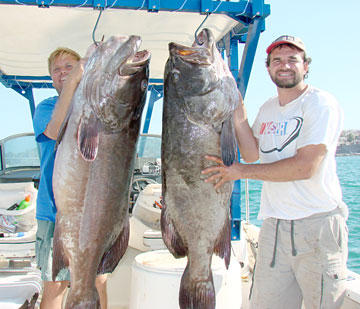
(115, 81)
(200, 79)
(190, 68)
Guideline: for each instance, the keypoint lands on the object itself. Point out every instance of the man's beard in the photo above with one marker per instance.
(286, 83)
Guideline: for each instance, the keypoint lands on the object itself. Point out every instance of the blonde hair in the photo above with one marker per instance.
(61, 51)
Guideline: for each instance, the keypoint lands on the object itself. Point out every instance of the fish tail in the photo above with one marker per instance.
(195, 293)
(223, 243)
(112, 257)
(171, 236)
(228, 142)
(88, 300)
(60, 261)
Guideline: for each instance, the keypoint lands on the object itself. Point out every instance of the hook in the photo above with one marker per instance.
(196, 39)
(93, 34)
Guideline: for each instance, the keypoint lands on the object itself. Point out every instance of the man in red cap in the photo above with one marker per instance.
(303, 239)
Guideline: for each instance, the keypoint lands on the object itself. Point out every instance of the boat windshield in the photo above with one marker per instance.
(148, 155)
(20, 151)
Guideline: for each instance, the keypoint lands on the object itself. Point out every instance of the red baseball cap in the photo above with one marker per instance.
(286, 39)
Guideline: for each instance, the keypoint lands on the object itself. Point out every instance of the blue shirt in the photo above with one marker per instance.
(45, 206)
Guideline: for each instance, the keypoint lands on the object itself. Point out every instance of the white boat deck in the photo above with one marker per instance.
(18, 275)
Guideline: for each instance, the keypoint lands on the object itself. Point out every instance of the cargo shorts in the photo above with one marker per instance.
(44, 251)
(301, 261)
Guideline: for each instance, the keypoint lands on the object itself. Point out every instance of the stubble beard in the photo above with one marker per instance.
(289, 83)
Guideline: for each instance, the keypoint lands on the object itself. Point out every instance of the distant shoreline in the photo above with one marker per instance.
(347, 154)
(348, 150)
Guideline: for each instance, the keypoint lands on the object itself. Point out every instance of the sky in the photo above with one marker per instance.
(328, 29)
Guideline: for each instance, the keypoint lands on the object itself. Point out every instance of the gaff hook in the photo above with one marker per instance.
(93, 34)
(196, 39)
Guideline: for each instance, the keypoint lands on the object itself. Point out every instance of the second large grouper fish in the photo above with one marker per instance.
(94, 164)
(200, 95)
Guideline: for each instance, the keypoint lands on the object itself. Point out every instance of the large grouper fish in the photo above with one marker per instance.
(94, 165)
(200, 95)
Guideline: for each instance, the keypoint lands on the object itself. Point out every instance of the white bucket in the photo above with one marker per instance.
(156, 275)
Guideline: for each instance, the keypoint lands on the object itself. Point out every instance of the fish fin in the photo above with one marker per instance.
(30, 304)
(228, 142)
(139, 109)
(170, 235)
(61, 133)
(60, 261)
(112, 257)
(88, 138)
(196, 293)
(64, 125)
(223, 243)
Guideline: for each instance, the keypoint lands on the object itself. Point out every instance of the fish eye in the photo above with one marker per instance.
(175, 77)
(144, 84)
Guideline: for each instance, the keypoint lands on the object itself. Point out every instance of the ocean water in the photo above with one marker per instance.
(348, 169)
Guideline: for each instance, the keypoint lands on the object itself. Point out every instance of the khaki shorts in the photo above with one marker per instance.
(304, 261)
(44, 251)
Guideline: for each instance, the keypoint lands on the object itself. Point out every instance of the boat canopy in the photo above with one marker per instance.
(31, 30)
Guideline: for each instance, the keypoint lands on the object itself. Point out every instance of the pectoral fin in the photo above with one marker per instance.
(228, 142)
(88, 137)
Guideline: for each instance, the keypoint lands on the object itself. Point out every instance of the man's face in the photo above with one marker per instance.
(60, 69)
(287, 67)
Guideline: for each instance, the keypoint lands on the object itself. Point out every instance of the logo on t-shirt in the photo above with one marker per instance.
(273, 128)
(281, 129)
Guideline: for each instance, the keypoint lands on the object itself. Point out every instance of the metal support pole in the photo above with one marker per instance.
(242, 81)
(249, 54)
(233, 57)
(236, 211)
(155, 94)
(247, 201)
(152, 99)
(235, 202)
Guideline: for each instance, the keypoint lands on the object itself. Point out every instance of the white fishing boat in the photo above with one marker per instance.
(147, 276)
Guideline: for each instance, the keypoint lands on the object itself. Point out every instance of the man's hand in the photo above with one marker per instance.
(221, 173)
(302, 166)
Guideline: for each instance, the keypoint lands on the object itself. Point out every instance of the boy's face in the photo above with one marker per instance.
(60, 68)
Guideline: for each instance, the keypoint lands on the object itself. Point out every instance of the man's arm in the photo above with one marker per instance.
(248, 144)
(301, 166)
(63, 103)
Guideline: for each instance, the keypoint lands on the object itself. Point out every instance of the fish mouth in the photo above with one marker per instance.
(135, 63)
(200, 53)
(125, 48)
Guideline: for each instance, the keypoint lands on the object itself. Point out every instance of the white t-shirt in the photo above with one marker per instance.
(313, 118)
